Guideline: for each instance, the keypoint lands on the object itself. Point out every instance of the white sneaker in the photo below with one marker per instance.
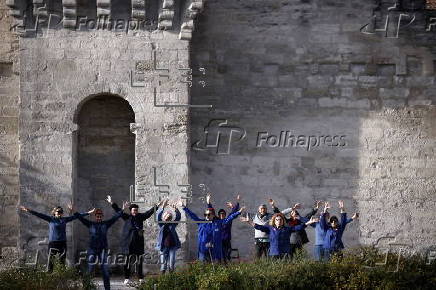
(126, 281)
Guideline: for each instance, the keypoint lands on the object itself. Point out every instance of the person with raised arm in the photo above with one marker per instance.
(333, 230)
(132, 238)
(168, 241)
(298, 238)
(210, 233)
(227, 227)
(279, 234)
(98, 245)
(261, 239)
(57, 237)
(318, 248)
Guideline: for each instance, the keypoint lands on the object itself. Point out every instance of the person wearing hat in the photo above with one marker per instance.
(210, 232)
(334, 230)
(98, 245)
(57, 237)
(132, 238)
(168, 241)
(227, 227)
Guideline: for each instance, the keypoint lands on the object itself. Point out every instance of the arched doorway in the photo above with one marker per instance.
(105, 161)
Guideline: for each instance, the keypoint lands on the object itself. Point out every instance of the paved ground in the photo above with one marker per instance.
(116, 284)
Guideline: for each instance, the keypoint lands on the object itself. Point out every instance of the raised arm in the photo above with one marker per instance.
(290, 209)
(355, 216)
(151, 211)
(159, 214)
(234, 208)
(47, 218)
(116, 208)
(113, 219)
(208, 201)
(343, 216)
(75, 216)
(233, 216)
(262, 228)
(192, 215)
(343, 221)
(323, 221)
(273, 205)
(83, 220)
(178, 214)
(313, 211)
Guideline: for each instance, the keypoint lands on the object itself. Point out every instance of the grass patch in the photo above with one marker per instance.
(27, 278)
(358, 268)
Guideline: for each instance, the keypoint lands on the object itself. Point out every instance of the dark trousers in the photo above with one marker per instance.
(227, 250)
(262, 249)
(99, 257)
(56, 248)
(136, 256)
(294, 248)
(134, 261)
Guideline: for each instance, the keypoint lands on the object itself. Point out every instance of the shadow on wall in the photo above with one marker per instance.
(321, 106)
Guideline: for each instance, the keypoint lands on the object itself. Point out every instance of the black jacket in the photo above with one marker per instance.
(133, 230)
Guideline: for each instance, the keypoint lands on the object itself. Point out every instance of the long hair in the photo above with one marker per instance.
(272, 223)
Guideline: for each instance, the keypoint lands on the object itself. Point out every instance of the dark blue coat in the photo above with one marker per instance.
(227, 228)
(98, 231)
(171, 226)
(210, 232)
(57, 226)
(320, 233)
(333, 238)
(279, 238)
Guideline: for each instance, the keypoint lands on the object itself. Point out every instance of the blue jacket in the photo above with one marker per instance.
(298, 237)
(172, 226)
(320, 233)
(57, 226)
(227, 228)
(333, 238)
(279, 238)
(210, 232)
(98, 231)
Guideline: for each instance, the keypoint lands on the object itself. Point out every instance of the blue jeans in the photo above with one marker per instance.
(168, 259)
(318, 252)
(99, 257)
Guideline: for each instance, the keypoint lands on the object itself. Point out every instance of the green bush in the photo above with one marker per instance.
(27, 278)
(356, 269)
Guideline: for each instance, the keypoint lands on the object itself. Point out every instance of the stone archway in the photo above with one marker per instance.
(105, 161)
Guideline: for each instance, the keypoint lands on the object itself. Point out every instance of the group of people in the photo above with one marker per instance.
(276, 235)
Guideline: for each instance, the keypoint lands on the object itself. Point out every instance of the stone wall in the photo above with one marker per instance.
(311, 100)
(61, 73)
(72, 52)
(9, 150)
(359, 98)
